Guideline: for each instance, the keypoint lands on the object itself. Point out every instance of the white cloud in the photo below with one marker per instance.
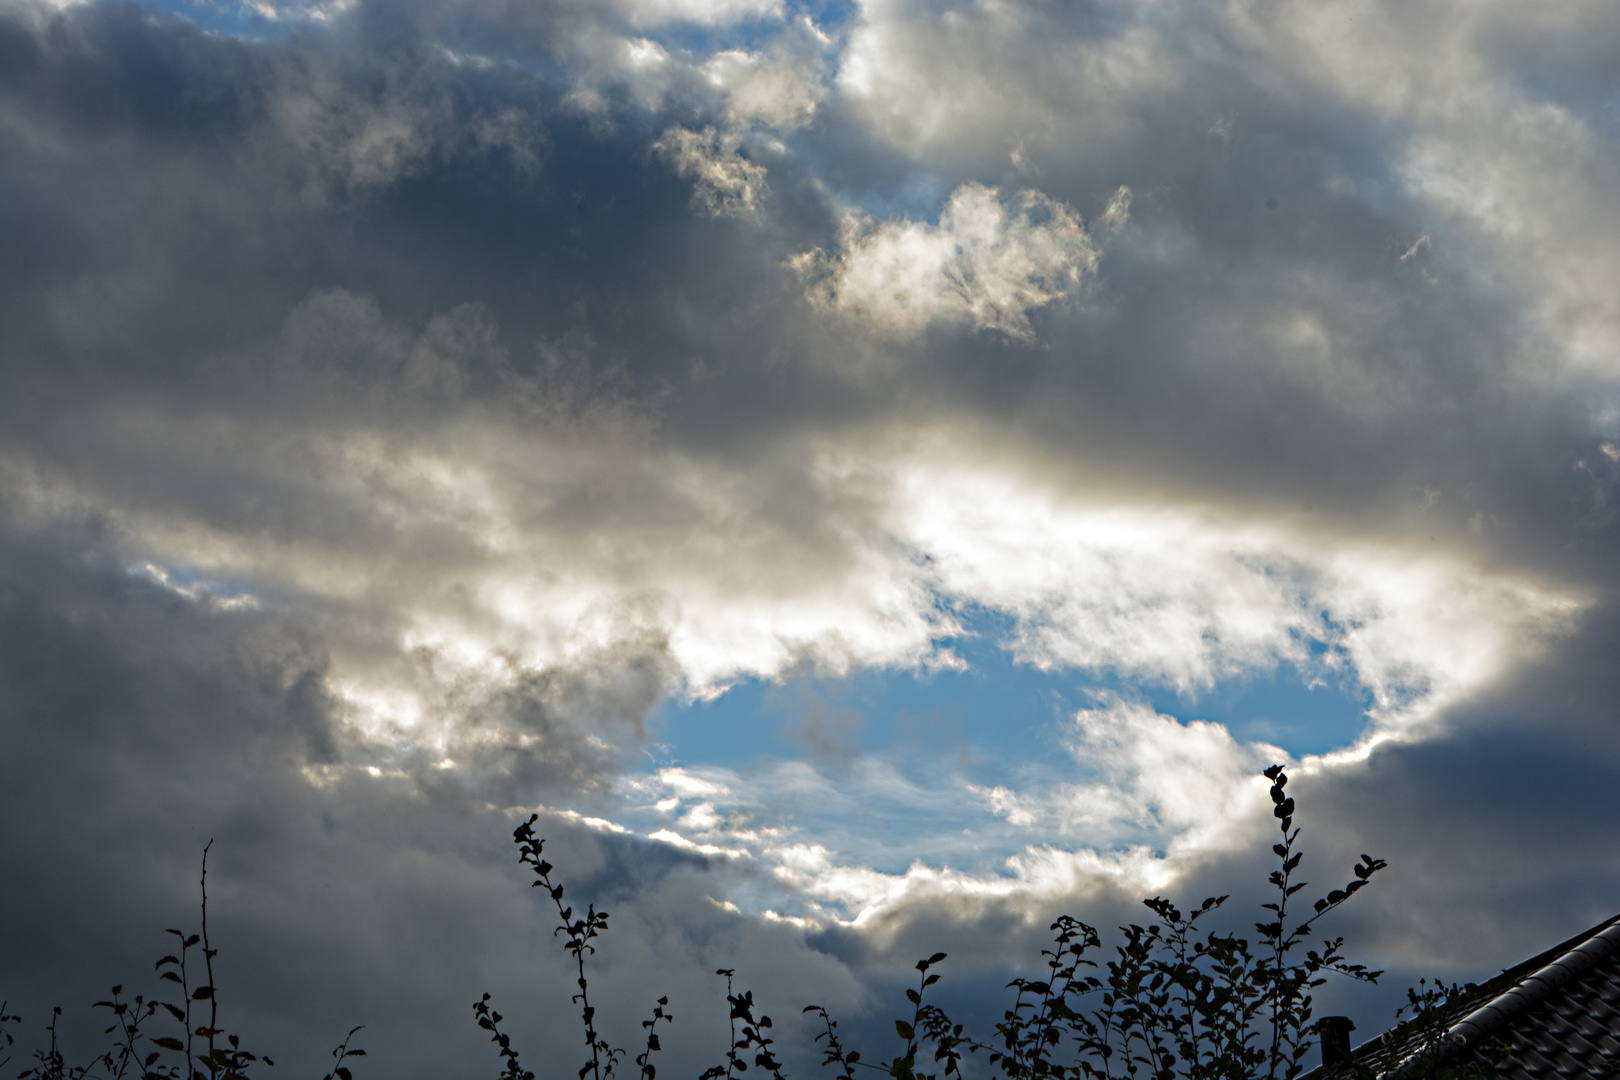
(1154, 797)
(319, 11)
(1190, 596)
(1186, 786)
(966, 86)
(637, 47)
(723, 180)
(780, 91)
(988, 263)
(40, 8)
(702, 12)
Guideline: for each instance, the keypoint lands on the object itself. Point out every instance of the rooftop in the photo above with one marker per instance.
(1555, 1015)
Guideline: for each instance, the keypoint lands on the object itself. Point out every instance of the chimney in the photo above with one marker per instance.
(1335, 1035)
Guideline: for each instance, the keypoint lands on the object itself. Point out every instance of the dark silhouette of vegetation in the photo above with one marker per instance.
(5, 1033)
(1174, 1001)
(193, 1048)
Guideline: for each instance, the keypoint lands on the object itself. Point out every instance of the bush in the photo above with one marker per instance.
(1174, 1001)
(195, 1048)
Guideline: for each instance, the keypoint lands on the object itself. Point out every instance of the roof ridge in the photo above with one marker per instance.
(1535, 963)
(1525, 984)
(1598, 944)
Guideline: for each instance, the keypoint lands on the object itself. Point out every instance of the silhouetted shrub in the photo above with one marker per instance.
(193, 1048)
(1173, 1002)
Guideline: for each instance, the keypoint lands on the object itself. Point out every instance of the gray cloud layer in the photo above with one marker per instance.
(401, 404)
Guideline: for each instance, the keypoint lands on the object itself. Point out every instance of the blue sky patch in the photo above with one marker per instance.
(990, 720)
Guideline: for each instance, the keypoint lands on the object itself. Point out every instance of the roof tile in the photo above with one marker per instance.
(1555, 1015)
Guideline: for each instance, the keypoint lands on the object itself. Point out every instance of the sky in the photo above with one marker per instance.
(871, 475)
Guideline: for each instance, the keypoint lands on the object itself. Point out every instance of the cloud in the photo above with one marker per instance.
(387, 443)
(379, 896)
(781, 91)
(723, 179)
(974, 82)
(988, 263)
(865, 843)
(1187, 598)
(492, 565)
(1478, 150)
(1153, 775)
(702, 12)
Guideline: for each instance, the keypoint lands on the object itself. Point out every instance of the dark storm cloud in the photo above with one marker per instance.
(176, 194)
(1503, 816)
(243, 176)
